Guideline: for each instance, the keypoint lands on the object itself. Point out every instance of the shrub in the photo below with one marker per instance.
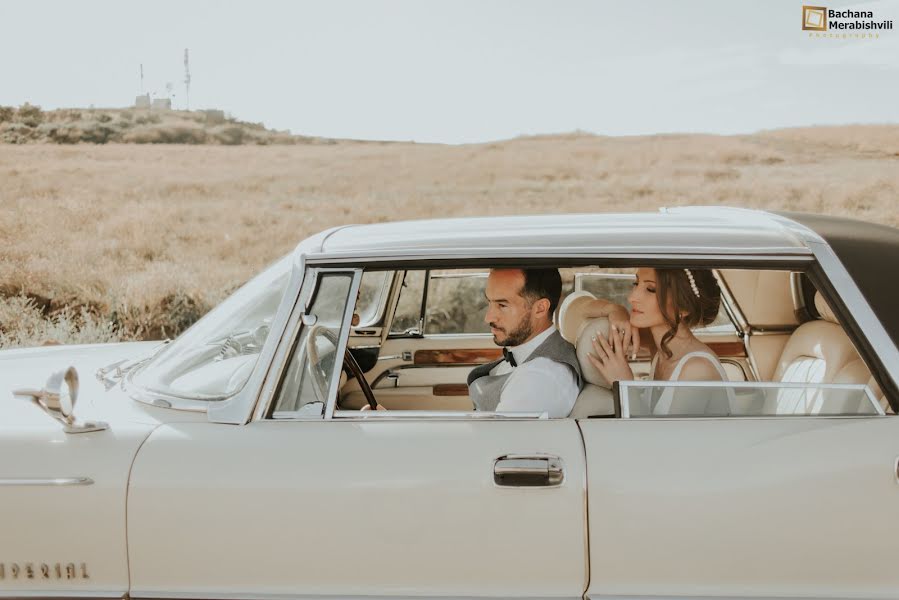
(165, 134)
(96, 133)
(23, 323)
(6, 113)
(30, 115)
(230, 135)
(17, 133)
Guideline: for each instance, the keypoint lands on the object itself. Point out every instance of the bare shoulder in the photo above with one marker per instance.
(699, 368)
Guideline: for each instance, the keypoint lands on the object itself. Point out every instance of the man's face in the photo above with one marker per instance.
(509, 315)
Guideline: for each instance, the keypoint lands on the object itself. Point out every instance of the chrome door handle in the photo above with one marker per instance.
(522, 470)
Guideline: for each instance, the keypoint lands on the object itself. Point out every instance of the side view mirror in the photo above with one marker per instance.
(58, 398)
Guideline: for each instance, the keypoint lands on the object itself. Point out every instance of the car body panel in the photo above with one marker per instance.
(755, 507)
(355, 508)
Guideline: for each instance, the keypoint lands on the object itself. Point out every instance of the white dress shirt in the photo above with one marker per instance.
(540, 385)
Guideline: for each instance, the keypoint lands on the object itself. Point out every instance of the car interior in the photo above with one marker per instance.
(418, 333)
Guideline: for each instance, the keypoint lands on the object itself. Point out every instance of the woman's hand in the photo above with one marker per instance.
(620, 321)
(608, 356)
(368, 407)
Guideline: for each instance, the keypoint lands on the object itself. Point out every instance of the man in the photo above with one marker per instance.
(539, 371)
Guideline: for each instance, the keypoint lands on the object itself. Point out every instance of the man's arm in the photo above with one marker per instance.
(543, 386)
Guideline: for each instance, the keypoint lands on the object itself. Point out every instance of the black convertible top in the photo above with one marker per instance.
(870, 252)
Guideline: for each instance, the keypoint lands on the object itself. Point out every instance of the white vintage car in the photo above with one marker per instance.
(234, 462)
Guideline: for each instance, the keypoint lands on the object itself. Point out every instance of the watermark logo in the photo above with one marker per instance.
(814, 18)
(823, 22)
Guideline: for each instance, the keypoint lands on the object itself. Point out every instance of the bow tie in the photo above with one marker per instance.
(509, 357)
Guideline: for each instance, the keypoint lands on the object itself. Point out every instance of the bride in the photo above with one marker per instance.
(665, 305)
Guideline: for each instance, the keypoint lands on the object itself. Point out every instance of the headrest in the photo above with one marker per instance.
(578, 329)
(824, 309)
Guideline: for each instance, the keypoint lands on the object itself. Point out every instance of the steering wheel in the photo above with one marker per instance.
(319, 367)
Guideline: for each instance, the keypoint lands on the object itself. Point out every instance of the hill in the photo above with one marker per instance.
(29, 124)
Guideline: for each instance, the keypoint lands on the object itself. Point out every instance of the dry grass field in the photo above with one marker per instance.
(124, 241)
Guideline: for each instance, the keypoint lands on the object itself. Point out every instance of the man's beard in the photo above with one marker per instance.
(517, 336)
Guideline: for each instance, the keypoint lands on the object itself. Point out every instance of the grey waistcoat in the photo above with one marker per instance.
(485, 389)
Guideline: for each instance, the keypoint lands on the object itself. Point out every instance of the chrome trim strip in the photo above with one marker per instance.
(38, 595)
(747, 255)
(137, 595)
(46, 481)
(458, 415)
(342, 342)
(787, 330)
(704, 597)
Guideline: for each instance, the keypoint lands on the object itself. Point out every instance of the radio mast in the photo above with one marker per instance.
(186, 79)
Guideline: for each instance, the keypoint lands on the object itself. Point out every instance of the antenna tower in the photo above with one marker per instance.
(142, 79)
(186, 79)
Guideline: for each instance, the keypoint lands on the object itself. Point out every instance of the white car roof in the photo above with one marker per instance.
(696, 230)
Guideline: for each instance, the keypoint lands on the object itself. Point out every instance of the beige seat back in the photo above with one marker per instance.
(596, 397)
(817, 352)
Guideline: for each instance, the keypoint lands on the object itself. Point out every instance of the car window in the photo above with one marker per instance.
(214, 358)
(373, 293)
(309, 378)
(456, 303)
(745, 399)
(407, 318)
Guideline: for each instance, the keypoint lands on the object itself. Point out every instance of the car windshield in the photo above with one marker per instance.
(214, 358)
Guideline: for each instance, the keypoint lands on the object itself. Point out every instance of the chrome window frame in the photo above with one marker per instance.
(624, 388)
(295, 326)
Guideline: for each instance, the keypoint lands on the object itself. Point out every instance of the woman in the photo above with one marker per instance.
(690, 298)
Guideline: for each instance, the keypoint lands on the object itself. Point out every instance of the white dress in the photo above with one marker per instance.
(689, 401)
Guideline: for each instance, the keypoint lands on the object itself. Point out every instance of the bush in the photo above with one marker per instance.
(165, 134)
(148, 119)
(96, 133)
(230, 135)
(23, 323)
(30, 115)
(17, 133)
(6, 113)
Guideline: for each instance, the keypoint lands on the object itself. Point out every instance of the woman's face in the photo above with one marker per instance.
(645, 312)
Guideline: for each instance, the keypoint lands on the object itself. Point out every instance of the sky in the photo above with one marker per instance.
(458, 71)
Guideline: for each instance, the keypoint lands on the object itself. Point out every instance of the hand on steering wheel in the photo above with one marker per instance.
(320, 373)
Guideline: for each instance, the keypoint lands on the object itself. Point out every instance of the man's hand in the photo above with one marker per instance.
(368, 407)
(609, 358)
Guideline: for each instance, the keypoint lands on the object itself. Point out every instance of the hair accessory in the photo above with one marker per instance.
(693, 285)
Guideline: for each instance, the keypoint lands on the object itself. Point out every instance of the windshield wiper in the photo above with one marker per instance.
(112, 374)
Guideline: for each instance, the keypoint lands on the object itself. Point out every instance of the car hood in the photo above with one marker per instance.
(29, 368)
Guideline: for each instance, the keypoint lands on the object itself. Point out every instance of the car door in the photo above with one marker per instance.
(311, 501)
(769, 505)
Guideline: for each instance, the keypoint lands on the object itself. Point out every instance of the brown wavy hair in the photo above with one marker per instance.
(679, 304)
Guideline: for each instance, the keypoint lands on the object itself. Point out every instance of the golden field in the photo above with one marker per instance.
(124, 241)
